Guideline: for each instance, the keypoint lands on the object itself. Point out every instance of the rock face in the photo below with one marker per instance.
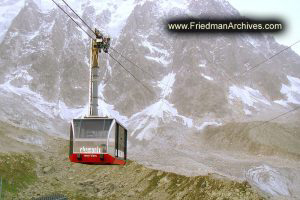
(44, 58)
(44, 82)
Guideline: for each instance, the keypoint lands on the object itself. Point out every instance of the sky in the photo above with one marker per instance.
(286, 10)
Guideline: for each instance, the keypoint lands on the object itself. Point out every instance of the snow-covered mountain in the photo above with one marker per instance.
(44, 81)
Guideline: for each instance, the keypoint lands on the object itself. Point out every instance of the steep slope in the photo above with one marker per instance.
(35, 174)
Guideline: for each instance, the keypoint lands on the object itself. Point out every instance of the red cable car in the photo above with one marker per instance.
(95, 139)
(98, 140)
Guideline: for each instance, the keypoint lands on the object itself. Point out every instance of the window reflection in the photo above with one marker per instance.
(92, 128)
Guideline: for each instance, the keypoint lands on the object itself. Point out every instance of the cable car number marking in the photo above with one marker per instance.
(93, 156)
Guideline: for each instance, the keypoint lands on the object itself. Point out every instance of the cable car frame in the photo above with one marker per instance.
(98, 140)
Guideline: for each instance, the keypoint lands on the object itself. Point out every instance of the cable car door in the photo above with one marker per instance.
(121, 142)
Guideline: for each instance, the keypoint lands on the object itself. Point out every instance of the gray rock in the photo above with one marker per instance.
(87, 182)
(48, 170)
(96, 190)
(111, 187)
(159, 173)
(139, 190)
(164, 180)
(100, 194)
(131, 193)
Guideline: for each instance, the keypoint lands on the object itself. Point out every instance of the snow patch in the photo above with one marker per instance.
(291, 91)
(202, 63)
(108, 110)
(31, 97)
(32, 35)
(20, 73)
(8, 11)
(248, 96)
(147, 132)
(205, 124)
(168, 5)
(153, 48)
(160, 59)
(147, 121)
(281, 102)
(207, 77)
(247, 112)
(51, 109)
(157, 51)
(166, 84)
(149, 118)
(119, 16)
(46, 6)
(101, 90)
(108, 66)
(68, 113)
(252, 41)
(268, 180)
(120, 11)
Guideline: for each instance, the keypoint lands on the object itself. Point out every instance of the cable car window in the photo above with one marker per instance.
(91, 128)
(107, 125)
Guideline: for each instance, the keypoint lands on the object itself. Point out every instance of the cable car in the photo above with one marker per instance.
(95, 139)
(98, 140)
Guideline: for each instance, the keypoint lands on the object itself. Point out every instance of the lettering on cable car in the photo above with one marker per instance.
(96, 149)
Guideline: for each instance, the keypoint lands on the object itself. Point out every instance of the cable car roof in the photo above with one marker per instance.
(98, 117)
